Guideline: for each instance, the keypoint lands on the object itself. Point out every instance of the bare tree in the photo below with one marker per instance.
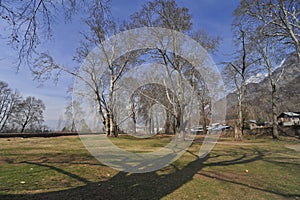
(278, 19)
(273, 27)
(100, 86)
(269, 52)
(237, 72)
(146, 96)
(29, 113)
(202, 94)
(69, 124)
(30, 22)
(167, 14)
(8, 103)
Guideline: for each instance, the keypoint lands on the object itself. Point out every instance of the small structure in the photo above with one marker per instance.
(289, 118)
(252, 124)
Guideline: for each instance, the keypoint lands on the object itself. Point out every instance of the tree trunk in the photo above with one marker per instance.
(177, 121)
(110, 116)
(167, 123)
(100, 111)
(3, 124)
(133, 117)
(156, 123)
(174, 119)
(298, 50)
(73, 127)
(203, 121)
(107, 125)
(238, 130)
(23, 128)
(275, 133)
(113, 126)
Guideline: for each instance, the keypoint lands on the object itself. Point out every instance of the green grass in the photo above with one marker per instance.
(61, 168)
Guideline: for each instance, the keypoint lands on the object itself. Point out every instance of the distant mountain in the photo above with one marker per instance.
(257, 78)
(259, 92)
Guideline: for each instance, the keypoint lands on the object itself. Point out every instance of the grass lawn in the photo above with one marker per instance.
(61, 168)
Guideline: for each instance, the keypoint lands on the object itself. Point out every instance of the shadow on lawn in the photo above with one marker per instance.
(140, 186)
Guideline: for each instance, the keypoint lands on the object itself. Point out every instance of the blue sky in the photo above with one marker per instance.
(213, 16)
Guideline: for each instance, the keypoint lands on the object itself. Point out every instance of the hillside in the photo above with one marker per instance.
(259, 93)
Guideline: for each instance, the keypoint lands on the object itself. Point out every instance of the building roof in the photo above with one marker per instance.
(253, 121)
(289, 114)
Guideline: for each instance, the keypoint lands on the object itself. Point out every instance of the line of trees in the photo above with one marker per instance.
(18, 114)
(100, 23)
(103, 87)
(265, 32)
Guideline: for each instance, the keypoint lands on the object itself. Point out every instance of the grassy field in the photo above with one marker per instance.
(61, 168)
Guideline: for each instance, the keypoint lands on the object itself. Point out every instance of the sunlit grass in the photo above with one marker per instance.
(256, 169)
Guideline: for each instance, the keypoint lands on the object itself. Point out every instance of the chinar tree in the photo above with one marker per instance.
(167, 14)
(238, 71)
(100, 87)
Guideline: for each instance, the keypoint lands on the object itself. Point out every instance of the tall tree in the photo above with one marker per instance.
(202, 95)
(101, 87)
(238, 71)
(269, 52)
(167, 14)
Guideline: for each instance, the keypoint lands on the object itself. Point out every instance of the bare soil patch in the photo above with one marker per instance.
(295, 147)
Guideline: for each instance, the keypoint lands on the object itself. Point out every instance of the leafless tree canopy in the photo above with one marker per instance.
(101, 25)
(18, 114)
(31, 22)
(277, 19)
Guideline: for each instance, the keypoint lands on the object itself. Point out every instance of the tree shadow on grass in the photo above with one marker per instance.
(151, 185)
(122, 186)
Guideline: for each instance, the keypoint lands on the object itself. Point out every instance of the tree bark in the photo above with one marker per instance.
(275, 133)
(113, 126)
(203, 118)
(107, 125)
(167, 123)
(238, 129)
(23, 128)
(237, 132)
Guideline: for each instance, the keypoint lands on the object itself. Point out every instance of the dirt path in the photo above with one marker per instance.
(239, 143)
(295, 147)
